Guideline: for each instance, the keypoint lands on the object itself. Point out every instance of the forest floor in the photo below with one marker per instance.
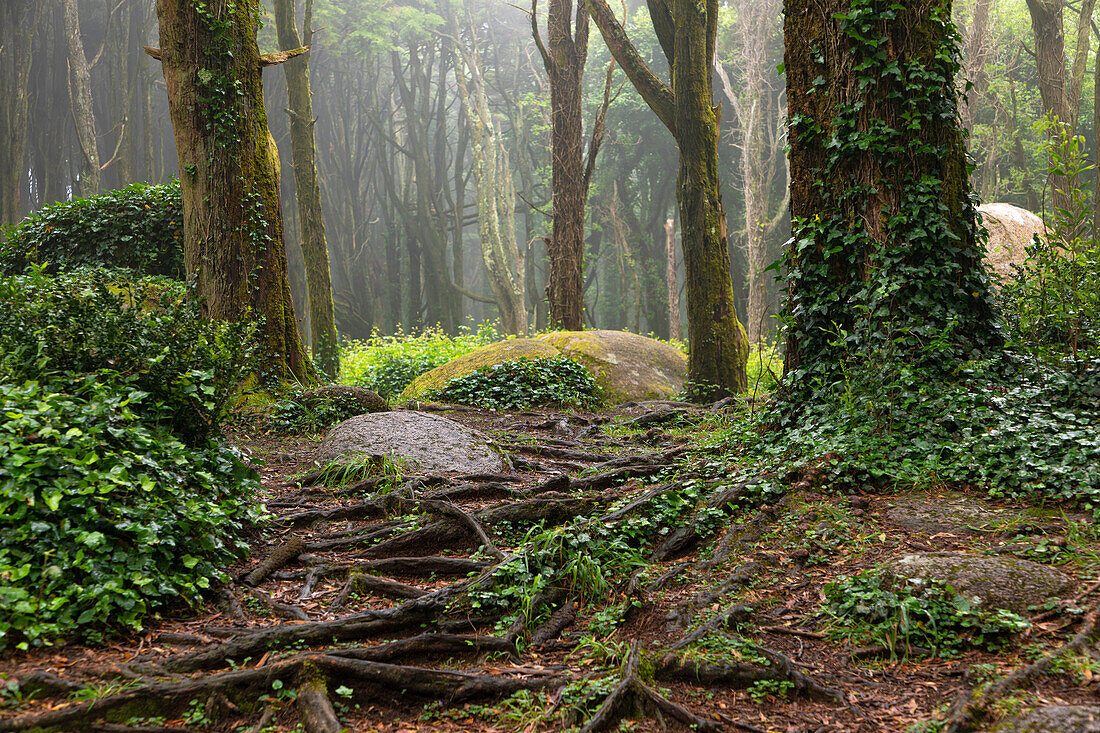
(423, 601)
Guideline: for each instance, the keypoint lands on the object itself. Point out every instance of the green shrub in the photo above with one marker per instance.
(105, 517)
(298, 413)
(900, 613)
(58, 329)
(523, 383)
(387, 364)
(137, 228)
(114, 500)
(1052, 306)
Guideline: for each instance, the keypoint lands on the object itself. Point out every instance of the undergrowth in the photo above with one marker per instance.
(523, 383)
(907, 614)
(387, 364)
(115, 499)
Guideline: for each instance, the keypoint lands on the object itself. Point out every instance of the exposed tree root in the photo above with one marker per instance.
(971, 709)
(632, 694)
(314, 706)
(362, 583)
(426, 645)
(285, 610)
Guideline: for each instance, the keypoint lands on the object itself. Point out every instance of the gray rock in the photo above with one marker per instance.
(1055, 719)
(432, 442)
(959, 516)
(1000, 582)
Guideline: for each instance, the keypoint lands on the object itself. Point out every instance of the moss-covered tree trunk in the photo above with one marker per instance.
(232, 220)
(496, 197)
(686, 30)
(884, 265)
(303, 156)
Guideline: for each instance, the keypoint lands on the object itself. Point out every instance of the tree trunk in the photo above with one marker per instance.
(496, 198)
(686, 30)
(303, 156)
(673, 283)
(564, 59)
(233, 223)
(18, 23)
(883, 264)
(80, 97)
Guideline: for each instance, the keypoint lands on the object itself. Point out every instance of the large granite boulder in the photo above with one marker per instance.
(431, 443)
(1055, 719)
(625, 365)
(1000, 582)
(1010, 233)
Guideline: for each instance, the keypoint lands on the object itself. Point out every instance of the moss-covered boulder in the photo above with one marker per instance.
(625, 365)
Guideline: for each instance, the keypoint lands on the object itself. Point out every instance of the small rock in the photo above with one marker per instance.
(1000, 582)
(1055, 719)
(431, 442)
(800, 556)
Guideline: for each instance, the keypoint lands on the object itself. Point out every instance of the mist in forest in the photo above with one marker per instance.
(409, 97)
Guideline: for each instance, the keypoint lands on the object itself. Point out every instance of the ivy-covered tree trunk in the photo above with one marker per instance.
(884, 264)
(303, 156)
(232, 220)
(686, 30)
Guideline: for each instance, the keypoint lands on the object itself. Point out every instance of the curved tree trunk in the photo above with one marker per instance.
(232, 220)
(496, 199)
(80, 96)
(303, 156)
(686, 30)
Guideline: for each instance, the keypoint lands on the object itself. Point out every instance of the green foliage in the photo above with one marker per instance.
(297, 414)
(104, 516)
(387, 364)
(137, 228)
(523, 383)
(1052, 307)
(761, 690)
(148, 332)
(114, 501)
(902, 613)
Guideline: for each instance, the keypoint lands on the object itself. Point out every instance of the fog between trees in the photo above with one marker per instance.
(83, 109)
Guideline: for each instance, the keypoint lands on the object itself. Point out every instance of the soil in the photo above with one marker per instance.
(764, 569)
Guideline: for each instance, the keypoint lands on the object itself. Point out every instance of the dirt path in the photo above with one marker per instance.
(621, 577)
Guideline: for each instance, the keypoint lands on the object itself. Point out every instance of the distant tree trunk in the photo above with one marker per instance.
(496, 197)
(80, 97)
(673, 283)
(1061, 95)
(686, 31)
(883, 263)
(303, 155)
(18, 23)
(233, 223)
(564, 60)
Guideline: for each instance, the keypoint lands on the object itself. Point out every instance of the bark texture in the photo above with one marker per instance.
(564, 59)
(686, 30)
(303, 156)
(496, 197)
(232, 220)
(80, 96)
